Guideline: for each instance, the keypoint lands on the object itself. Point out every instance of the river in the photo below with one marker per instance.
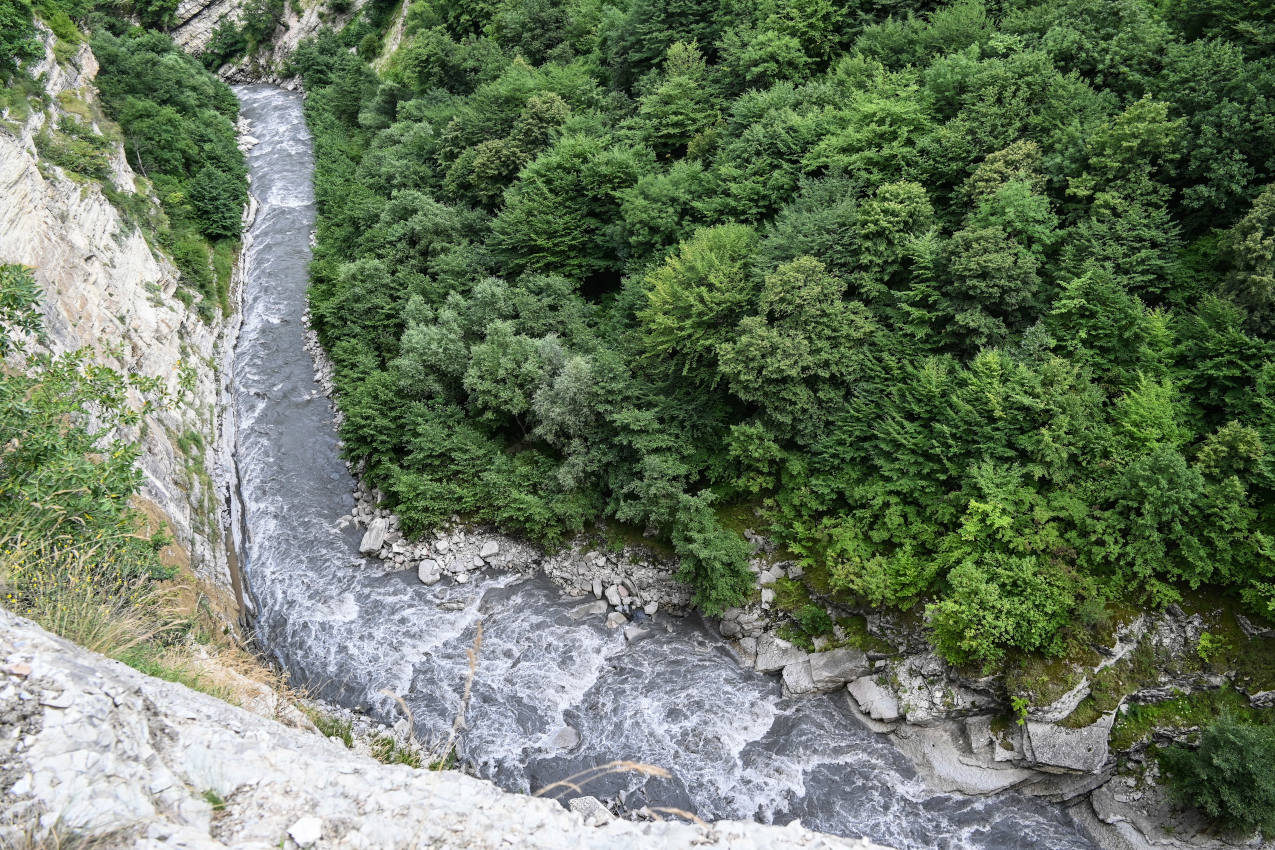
(352, 631)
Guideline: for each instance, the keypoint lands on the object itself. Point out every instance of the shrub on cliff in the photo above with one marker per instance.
(1231, 777)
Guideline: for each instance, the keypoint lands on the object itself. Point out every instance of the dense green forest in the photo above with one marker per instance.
(975, 302)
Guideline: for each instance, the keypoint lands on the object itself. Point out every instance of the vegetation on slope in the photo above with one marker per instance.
(174, 120)
(973, 300)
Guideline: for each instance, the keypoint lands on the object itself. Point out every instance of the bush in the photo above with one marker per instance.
(1231, 777)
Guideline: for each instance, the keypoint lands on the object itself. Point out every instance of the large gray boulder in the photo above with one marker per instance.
(874, 699)
(1058, 748)
(832, 669)
(774, 654)
(797, 678)
(374, 537)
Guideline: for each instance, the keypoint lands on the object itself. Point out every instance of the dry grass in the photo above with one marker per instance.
(576, 781)
(32, 836)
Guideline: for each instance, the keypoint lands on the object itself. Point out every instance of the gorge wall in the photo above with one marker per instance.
(107, 288)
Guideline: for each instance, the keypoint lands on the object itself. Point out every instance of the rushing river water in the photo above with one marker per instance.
(735, 746)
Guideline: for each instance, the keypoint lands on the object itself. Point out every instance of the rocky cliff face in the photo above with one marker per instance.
(98, 749)
(197, 20)
(106, 288)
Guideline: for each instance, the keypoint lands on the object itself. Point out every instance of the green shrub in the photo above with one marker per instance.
(1231, 777)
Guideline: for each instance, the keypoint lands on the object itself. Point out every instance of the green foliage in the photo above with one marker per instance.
(178, 130)
(973, 300)
(18, 42)
(1231, 777)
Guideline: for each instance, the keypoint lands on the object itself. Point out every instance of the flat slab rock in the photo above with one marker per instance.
(128, 750)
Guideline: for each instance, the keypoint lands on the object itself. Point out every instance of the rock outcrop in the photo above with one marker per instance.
(107, 289)
(197, 20)
(95, 747)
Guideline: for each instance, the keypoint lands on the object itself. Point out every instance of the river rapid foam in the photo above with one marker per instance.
(355, 632)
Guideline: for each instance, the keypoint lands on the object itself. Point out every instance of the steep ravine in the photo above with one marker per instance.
(555, 690)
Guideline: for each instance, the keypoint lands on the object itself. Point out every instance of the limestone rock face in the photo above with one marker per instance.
(832, 669)
(197, 20)
(875, 700)
(106, 289)
(105, 747)
(1082, 750)
(774, 654)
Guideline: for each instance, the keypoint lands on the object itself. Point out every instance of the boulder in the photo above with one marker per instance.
(634, 633)
(797, 678)
(374, 537)
(615, 619)
(428, 571)
(1058, 748)
(832, 669)
(597, 588)
(489, 550)
(613, 595)
(589, 808)
(774, 654)
(589, 609)
(875, 699)
(565, 738)
(306, 831)
(441, 546)
(729, 629)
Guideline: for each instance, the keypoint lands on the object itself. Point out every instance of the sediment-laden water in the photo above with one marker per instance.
(736, 748)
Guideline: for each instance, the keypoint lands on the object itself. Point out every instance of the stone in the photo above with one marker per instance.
(565, 738)
(615, 619)
(774, 654)
(795, 570)
(479, 563)
(767, 576)
(874, 699)
(428, 572)
(767, 596)
(832, 669)
(489, 550)
(306, 831)
(441, 546)
(797, 678)
(613, 596)
(462, 578)
(634, 633)
(1083, 750)
(374, 537)
(651, 608)
(597, 588)
(729, 629)
(589, 609)
(591, 809)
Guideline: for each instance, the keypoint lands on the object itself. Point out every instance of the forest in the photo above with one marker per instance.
(970, 306)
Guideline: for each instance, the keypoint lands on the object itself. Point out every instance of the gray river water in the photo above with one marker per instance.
(736, 748)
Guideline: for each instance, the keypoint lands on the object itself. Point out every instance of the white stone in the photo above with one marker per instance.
(489, 550)
(874, 699)
(374, 537)
(774, 654)
(428, 572)
(306, 831)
